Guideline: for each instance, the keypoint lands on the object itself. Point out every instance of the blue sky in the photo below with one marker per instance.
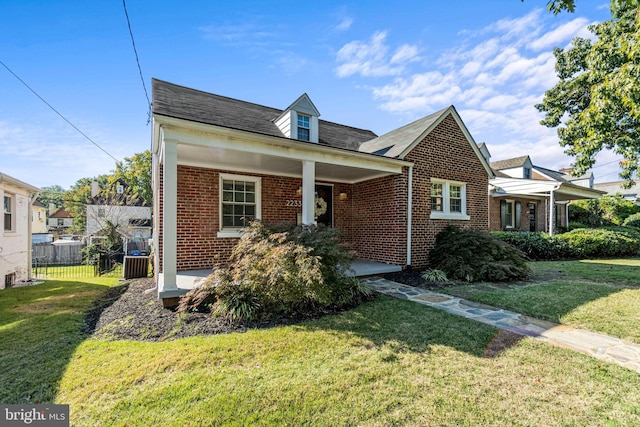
(367, 64)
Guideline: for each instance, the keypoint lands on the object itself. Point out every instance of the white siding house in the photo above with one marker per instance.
(15, 239)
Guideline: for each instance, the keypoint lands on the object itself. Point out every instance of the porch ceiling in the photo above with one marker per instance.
(268, 164)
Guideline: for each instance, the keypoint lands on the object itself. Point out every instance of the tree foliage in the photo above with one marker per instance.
(52, 194)
(135, 171)
(607, 210)
(596, 103)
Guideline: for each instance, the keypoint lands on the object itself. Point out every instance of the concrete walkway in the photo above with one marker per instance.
(600, 346)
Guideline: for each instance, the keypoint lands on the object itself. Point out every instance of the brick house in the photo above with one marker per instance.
(217, 160)
(526, 197)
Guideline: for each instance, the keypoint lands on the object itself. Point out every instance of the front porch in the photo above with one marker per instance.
(187, 280)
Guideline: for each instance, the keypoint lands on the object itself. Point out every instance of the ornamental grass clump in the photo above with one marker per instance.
(474, 256)
(276, 271)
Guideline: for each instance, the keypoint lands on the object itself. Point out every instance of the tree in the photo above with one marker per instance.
(596, 103)
(52, 194)
(136, 173)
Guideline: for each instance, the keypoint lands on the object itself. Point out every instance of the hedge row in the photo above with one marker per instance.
(579, 243)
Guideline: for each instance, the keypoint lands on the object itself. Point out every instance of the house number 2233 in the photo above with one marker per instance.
(296, 203)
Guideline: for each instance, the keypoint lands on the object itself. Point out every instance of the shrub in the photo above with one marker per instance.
(603, 242)
(632, 221)
(473, 255)
(537, 246)
(275, 272)
(607, 210)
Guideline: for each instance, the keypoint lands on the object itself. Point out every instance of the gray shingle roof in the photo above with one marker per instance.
(395, 143)
(515, 162)
(555, 175)
(180, 102)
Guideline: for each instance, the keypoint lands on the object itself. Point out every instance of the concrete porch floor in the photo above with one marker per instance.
(187, 280)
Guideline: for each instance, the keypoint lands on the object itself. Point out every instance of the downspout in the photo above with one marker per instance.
(34, 196)
(409, 218)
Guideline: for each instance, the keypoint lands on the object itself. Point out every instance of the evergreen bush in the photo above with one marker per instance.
(473, 255)
(603, 242)
(537, 246)
(632, 221)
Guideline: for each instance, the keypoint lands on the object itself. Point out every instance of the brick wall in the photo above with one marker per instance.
(372, 219)
(446, 154)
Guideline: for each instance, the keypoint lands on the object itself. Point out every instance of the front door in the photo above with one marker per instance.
(324, 204)
(532, 217)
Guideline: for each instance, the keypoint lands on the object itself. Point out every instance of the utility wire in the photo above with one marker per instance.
(135, 51)
(58, 113)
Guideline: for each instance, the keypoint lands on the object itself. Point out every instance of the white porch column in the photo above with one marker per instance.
(308, 191)
(169, 215)
(566, 215)
(552, 205)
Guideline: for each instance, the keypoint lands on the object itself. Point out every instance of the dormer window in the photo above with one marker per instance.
(527, 173)
(303, 127)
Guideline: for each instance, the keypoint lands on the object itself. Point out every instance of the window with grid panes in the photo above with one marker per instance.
(238, 202)
(303, 127)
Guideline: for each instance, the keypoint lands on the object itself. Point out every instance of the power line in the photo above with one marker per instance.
(58, 113)
(135, 51)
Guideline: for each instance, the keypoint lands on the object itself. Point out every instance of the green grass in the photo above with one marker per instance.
(40, 328)
(599, 295)
(387, 362)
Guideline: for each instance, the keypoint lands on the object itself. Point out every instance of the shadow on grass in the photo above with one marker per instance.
(40, 328)
(403, 326)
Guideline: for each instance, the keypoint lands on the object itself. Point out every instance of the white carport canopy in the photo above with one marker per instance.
(554, 190)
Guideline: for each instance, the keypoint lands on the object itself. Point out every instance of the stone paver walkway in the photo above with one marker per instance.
(600, 346)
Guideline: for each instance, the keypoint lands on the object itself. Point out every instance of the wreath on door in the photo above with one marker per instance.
(320, 207)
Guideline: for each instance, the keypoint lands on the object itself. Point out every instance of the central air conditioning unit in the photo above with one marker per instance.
(135, 267)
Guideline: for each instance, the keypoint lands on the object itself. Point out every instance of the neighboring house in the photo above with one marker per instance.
(632, 194)
(119, 206)
(59, 220)
(218, 161)
(39, 218)
(525, 197)
(39, 230)
(15, 239)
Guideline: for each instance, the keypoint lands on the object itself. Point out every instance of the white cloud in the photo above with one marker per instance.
(344, 24)
(405, 53)
(560, 35)
(495, 77)
(371, 59)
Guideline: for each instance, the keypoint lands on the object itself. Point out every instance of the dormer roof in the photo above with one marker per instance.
(302, 105)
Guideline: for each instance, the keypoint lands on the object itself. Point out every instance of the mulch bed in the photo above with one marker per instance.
(128, 312)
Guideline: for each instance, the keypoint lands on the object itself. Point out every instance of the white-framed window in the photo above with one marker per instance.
(120, 189)
(9, 211)
(448, 199)
(303, 127)
(527, 173)
(240, 202)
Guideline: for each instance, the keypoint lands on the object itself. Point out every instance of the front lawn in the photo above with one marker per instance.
(598, 295)
(387, 362)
